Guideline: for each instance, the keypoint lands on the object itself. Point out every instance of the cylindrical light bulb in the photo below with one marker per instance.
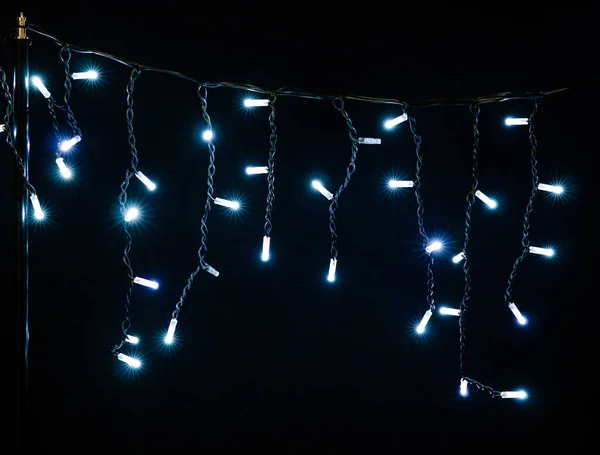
(234, 205)
(520, 318)
(133, 363)
(207, 135)
(369, 140)
(509, 121)
(332, 267)
(67, 145)
(145, 282)
(464, 387)
(556, 189)
(210, 269)
(2, 128)
(171, 331)
(543, 251)
(85, 75)
(62, 167)
(145, 180)
(449, 311)
(132, 214)
(321, 189)
(489, 202)
(131, 339)
(253, 170)
(518, 394)
(459, 257)
(436, 245)
(37, 208)
(40, 86)
(395, 121)
(424, 321)
(249, 102)
(265, 248)
(401, 183)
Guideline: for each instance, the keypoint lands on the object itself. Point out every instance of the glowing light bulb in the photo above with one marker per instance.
(37, 208)
(556, 189)
(35, 80)
(171, 331)
(464, 384)
(132, 214)
(518, 394)
(85, 75)
(459, 257)
(67, 145)
(332, 267)
(145, 180)
(265, 248)
(489, 202)
(253, 170)
(401, 183)
(542, 251)
(145, 282)
(234, 205)
(424, 321)
(369, 140)
(321, 189)
(64, 170)
(249, 102)
(520, 318)
(510, 121)
(395, 121)
(436, 245)
(133, 363)
(131, 339)
(2, 128)
(207, 135)
(449, 311)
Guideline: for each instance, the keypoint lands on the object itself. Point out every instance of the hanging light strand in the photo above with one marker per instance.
(65, 56)
(8, 117)
(271, 168)
(338, 103)
(126, 324)
(202, 265)
(525, 242)
(420, 212)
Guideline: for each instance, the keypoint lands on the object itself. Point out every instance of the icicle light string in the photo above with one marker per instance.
(126, 219)
(270, 182)
(495, 98)
(525, 242)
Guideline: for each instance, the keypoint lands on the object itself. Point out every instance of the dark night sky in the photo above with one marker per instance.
(271, 355)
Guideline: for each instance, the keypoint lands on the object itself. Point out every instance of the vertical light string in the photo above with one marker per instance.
(271, 171)
(525, 242)
(466, 266)
(338, 103)
(65, 56)
(420, 213)
(202, 265)
(129, 173)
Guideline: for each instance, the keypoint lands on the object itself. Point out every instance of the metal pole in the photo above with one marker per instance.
(21, 138)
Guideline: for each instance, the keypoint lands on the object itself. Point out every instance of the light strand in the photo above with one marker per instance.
(126, 324)
(202, 94)
(421, 223)
(65, 56)
(338, 104)
(494, 98)
(525, 242)
(270, 183)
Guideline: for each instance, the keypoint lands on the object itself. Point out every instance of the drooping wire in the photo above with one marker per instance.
(421, 211)
(202, 94)
(271, 170)
(495, 98)
(338, 103)
(65, 56)
(129, 173)
(466, 266)
(525, 242)
(8, 131)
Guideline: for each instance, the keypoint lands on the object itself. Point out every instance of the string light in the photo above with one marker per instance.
(1, 127)
(432, 246)
(489, 202)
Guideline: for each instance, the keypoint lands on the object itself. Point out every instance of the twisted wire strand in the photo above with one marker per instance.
(52, 106)
(466, 266)
(421, 211)
(525, 242)
(8, 131)
(494, 98)
(126, 324)
(202, 94)
(338, 103)
(65, 56)
(271, 167)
